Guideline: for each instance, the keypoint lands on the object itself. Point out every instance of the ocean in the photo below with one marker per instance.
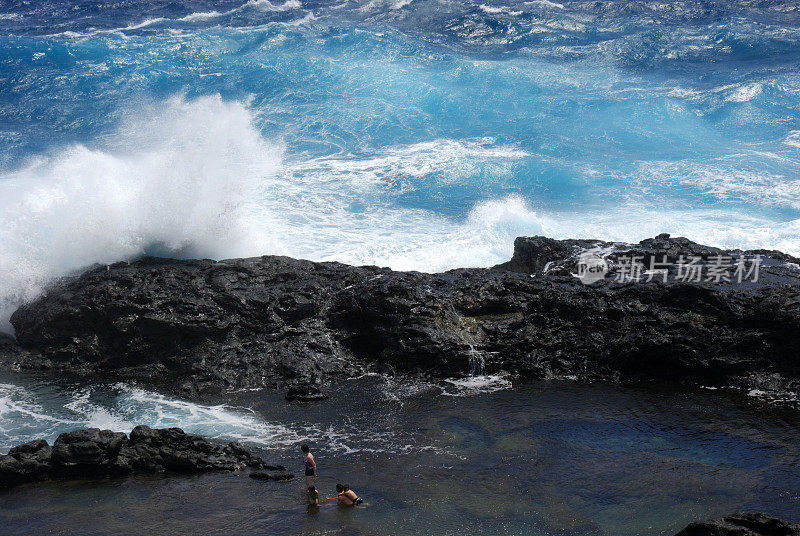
(420, 135)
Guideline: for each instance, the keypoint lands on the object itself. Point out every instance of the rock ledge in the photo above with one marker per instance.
(198, 328)
(92, 452)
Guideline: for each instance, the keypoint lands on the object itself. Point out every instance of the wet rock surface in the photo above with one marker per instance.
(198, 327)
(280, 477)
(91, 452)
(305, 393)
(742, 524)
(26, 463)
(10, 351)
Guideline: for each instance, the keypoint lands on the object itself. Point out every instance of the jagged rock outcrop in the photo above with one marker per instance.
(198, 326)
(10, 351)
(539, 255)
(89, 451)
(92, 452)
(26, 463)
(742, 524)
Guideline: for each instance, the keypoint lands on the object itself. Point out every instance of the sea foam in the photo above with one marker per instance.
(200, 178)
(173, 177)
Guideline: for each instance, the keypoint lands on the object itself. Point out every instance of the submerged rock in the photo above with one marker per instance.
(305, 393)
(93, 452)
(197, 327)
(742, 524)
(258, 475)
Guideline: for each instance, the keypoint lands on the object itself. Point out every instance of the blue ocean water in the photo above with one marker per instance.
(418, 134)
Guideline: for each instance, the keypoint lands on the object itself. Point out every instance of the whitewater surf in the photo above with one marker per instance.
(412, 135)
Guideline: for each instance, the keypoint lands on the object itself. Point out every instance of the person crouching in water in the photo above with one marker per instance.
(313, 496)
(345, 496)
(350, 494)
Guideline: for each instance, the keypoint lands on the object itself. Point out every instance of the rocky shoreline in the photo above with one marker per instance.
(199, 327)
(92, 453)
(95, 453)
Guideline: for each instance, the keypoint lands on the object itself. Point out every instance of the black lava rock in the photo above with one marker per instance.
(87, 451)
(305, 393)
(93, 452)
(742, 524)
(198, 327)
(26, 463)
(258, 475)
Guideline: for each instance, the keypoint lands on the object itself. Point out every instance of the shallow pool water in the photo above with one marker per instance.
(546, 458)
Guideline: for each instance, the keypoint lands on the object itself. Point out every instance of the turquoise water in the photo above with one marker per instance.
(546, 458)
(422, 134)
(419, 135)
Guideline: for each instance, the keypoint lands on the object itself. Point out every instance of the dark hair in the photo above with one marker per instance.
(339, 488)
(346, 486)
(304, 448)
(312, 488)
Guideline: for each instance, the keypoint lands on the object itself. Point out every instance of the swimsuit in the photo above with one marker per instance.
(353, 502)
(309, 467)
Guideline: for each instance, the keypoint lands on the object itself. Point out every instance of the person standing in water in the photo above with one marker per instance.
(310, 465)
